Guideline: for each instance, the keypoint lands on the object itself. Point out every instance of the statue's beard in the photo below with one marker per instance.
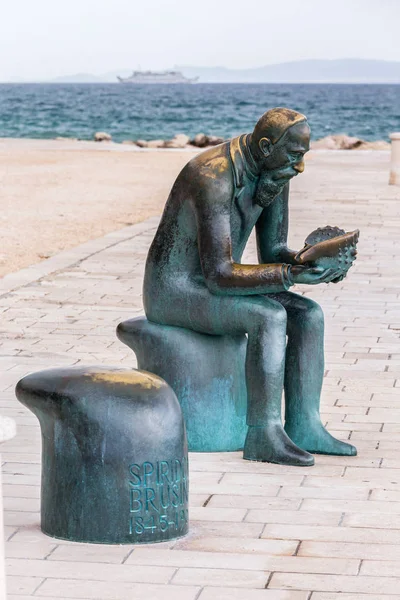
(271, 183)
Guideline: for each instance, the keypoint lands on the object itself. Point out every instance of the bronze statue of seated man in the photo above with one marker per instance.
(194, 279)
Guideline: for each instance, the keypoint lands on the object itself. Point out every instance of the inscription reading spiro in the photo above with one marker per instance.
(158, 496)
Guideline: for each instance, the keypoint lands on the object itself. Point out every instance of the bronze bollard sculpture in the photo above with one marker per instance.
(114, 455)
(194, 280)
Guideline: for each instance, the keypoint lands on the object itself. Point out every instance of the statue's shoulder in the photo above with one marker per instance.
(214, 164)
(208, 177)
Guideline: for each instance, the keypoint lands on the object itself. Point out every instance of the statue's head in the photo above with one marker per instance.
(278, 143)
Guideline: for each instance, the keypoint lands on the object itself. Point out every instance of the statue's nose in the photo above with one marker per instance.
(299, 167)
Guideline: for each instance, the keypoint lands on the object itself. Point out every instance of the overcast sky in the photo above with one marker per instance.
(41, 39)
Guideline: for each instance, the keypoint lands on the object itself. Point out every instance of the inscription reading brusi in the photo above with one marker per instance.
(158, 496)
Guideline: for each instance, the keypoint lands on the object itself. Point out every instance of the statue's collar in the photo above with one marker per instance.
(242, 160)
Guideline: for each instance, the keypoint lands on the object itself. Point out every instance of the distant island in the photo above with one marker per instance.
(350, 70)
(303, 71)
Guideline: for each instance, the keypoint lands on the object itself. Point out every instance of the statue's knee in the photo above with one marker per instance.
(311, 316)
(315, 314)
(306, 314)
(269, 317)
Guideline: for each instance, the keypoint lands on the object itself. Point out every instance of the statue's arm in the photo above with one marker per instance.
(222, 275)
(272, 232)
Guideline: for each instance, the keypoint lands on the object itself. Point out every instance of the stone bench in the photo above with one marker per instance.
(206, 373)
(114, 455)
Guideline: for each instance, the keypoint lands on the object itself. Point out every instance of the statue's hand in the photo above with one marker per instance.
(313, 275)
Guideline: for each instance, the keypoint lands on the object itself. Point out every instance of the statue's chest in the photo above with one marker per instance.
(244, 215)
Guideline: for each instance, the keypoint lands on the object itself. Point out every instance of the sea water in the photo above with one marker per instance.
(130, 112)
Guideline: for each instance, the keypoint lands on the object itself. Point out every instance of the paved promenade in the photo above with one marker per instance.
(258, 531)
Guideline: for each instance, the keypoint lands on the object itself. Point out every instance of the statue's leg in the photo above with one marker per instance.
(304, 373)
(265, 366)
(264, 320)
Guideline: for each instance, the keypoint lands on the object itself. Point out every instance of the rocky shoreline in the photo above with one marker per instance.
(201, 140)
(345, 142)
(180, 140)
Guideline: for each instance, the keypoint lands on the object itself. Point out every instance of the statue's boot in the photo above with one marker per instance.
(271, 444)
(310, 435)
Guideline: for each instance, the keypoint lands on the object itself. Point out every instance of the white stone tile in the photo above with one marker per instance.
(90, 553)
(334, 596)
(59, 569)
(20, 584)
(291, 516)
(221, 577)
(378, 586)
(239, 545)
(348, 550)
(111, 590)
(237, 594)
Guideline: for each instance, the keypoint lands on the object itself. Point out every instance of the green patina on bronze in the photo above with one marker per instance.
(207, 373)
(194, 280)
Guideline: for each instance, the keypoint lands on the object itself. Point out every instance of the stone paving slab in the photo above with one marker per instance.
(258, 531)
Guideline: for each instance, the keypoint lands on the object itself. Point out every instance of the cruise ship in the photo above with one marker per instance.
(157, 77)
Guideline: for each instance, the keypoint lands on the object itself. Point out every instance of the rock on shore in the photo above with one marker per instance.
(102, 136)
(346, 142)
(180, 140)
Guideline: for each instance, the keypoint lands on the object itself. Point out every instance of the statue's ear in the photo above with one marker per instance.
(265, 146)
